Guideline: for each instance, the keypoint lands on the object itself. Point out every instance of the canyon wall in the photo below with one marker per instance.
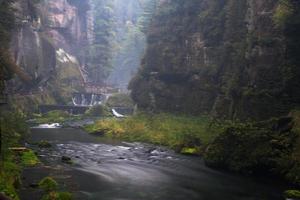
(231, 59)
(46, 46)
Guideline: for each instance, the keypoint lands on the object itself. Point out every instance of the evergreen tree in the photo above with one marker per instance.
(99, 55)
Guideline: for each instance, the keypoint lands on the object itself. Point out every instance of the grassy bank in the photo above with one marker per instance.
(13, 130)
(186, 134)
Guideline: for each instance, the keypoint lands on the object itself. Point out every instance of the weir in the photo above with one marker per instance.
(88, 99)
(76, 110)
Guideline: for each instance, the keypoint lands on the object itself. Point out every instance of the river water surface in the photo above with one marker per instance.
(110, 170)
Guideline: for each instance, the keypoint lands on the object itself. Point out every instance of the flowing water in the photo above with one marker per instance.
(110, 170)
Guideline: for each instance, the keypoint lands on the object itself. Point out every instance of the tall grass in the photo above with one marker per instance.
(177, 132)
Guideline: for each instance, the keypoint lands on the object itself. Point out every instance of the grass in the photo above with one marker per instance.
(29, 159)
(55, 116)
(183, 133)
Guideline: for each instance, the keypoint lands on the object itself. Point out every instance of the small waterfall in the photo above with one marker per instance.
(74, 101)
(93, 100)
(83, 100)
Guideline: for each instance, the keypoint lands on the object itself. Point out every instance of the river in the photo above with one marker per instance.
(112, 170)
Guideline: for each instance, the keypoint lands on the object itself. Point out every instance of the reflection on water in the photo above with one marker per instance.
(133, 171)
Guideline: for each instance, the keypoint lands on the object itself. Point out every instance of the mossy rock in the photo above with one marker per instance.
(44, 144)
(292, 194)
(190, 151)
(48, 184)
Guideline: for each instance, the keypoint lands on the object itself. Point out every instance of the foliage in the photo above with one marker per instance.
(283, 12)
(202, 57)
(29, 159)
(58, 196)
(13, 128)
(98, 111)
(260, 148)
(120, 100)
(145, 19)
(176, 132)
(48, 184)
(99, 55)
(9, 178)
(44, 144)
(293, 194)
(55, 116)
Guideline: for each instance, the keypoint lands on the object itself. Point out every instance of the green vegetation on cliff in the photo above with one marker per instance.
(269, 147)
(233, 59)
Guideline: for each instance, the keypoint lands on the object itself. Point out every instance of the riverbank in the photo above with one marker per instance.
(14, 157)
(258, 148)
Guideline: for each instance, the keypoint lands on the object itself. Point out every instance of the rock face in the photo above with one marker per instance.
(46, 46)
(233, 59)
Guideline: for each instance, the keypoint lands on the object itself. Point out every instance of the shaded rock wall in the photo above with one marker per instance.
(226, 58)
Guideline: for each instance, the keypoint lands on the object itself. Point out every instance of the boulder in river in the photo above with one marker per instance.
(66, 159)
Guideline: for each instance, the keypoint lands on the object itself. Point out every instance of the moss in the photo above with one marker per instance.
(294, 194)
(58, 196)
(48, 184)
(29, 159)
(190, 150)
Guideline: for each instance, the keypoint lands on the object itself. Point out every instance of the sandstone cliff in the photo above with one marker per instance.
(232, 59)
(46, 47)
